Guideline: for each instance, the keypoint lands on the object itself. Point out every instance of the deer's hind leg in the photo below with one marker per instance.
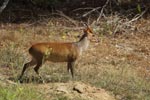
(27, 65)
(40, 61)
(39, 64)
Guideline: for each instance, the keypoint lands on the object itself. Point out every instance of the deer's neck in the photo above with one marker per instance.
(83, 43)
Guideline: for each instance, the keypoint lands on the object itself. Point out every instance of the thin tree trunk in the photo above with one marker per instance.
(3, 5)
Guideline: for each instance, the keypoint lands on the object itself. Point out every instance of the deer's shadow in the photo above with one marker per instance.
(38, 80)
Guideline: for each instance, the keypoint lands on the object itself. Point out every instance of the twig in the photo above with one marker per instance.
(3, 5)
(121, 24)
(137, 17)
(88, 8)
(116, 29)
(102, 10)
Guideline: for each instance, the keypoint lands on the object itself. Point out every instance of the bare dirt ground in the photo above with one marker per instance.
(68, 91)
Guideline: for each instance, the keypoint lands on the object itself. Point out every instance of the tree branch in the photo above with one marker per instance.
(3, 5)
(102, 10)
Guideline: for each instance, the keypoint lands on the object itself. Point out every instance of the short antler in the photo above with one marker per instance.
(86, 25)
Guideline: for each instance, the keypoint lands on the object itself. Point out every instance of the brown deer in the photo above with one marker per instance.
(59, 52)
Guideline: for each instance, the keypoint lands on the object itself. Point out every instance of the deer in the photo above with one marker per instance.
(59, 52)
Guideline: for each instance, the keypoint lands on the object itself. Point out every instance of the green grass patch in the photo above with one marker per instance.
(16, 92)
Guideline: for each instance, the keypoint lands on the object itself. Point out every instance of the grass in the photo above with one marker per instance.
(105, 65)
(18, 92)
(9, 55)
(124, 82)
(127, 84)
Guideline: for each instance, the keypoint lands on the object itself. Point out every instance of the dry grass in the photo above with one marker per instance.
(118, 64)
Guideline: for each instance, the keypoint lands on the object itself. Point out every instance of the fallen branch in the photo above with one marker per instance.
(137, 17)
(122, 25)
(78, 9)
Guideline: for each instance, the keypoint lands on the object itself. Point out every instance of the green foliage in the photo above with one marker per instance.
(139, 8)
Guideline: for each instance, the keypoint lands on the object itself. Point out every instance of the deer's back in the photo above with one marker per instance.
(56, 52)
